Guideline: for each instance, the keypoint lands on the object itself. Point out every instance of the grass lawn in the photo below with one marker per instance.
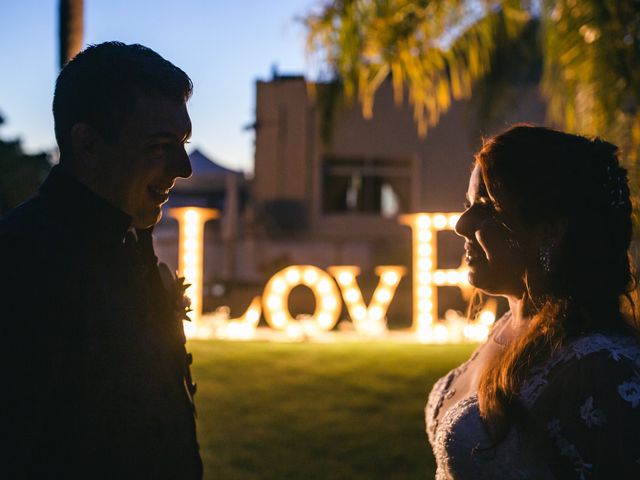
(316, 411)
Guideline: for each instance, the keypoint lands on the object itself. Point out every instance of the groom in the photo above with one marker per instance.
(94, 372)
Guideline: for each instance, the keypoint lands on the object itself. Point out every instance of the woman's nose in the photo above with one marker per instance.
(465, 227)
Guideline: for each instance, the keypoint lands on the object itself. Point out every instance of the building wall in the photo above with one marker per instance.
(291, 159)
(283, 135)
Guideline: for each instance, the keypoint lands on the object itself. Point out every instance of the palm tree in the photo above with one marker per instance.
(440, 50)
(70, 29)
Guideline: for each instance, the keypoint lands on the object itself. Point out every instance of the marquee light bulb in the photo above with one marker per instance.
(310, 276)
(279, 285)
(439, 221)
(453, 277)
(324, 320)
(351, 295)
(424, 277)
(279, 319)
(253, 316)
(274, 302)
(345, 278)
(384, 295)
(425, 235)
(292, 275)
(439, 277)
(359, 312)
(425, 264)
(324, 286)
(424, 221)
(329, 303)
(376, 312)
(390, 278)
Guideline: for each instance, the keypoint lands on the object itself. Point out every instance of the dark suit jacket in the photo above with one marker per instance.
(93, 357)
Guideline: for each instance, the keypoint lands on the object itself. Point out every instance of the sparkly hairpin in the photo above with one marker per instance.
(617, 187)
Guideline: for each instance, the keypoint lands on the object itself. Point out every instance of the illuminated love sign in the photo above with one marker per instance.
(328, 286)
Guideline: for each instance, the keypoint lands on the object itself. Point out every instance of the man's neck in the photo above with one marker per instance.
(95, 183)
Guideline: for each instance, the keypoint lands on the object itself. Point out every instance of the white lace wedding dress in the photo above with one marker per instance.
(583, 411)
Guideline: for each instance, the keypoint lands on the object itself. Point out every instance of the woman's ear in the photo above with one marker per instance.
(548, 239)
(551, 233)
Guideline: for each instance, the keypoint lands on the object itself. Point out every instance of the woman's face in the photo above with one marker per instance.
(496, 262)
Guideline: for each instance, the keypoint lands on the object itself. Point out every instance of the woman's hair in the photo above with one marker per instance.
(578, 273)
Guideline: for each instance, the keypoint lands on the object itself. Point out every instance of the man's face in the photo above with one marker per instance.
(142, 164)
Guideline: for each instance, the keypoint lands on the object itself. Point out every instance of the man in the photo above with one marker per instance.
(96, 379)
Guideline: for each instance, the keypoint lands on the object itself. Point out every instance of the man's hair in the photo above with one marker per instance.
(101, 85)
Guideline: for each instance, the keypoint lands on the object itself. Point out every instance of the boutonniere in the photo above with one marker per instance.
(176, 287)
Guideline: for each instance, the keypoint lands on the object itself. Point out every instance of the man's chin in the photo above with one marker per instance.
(148, 220)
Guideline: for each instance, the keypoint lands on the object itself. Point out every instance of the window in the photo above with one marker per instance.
(366, 185)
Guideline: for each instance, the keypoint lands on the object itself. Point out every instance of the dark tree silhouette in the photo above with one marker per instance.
(20, 174)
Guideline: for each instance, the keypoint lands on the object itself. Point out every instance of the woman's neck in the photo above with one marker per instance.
(518, 322)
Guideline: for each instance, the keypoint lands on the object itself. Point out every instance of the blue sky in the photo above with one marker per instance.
(224, 46)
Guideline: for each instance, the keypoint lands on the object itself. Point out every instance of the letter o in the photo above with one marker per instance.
(325, 291)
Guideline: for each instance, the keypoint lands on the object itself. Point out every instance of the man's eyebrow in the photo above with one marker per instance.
(162, 135)
(169, 136)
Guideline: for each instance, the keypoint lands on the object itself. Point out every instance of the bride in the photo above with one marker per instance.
(555, 391)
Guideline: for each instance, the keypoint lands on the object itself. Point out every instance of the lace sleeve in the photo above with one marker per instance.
(588, 417)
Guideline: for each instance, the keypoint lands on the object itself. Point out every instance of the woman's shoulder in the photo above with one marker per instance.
(597, 362)
(614, 346)
(586, 404)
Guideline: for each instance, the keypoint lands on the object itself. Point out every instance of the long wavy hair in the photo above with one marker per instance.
(551, 179)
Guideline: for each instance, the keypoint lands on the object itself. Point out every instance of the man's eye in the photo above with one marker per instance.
(159, 147)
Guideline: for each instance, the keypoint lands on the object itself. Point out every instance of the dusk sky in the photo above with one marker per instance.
(224, 46)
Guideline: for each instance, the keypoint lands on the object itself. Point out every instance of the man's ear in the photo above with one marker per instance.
(87, 147)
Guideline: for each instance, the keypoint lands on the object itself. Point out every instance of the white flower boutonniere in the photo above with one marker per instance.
(176, 288)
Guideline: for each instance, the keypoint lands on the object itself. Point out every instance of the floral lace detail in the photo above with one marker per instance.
(440, 392)
(593, 417)
(569, 450)
(630, 391)
(618, 347)
(442, 440)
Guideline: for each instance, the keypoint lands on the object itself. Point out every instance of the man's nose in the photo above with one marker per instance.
(181, 165)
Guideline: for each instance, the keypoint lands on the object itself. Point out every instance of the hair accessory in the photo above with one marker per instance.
(512, 243)
(617, 186)
(545, 253)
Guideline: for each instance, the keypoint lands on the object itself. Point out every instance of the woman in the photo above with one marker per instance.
(555, 391)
